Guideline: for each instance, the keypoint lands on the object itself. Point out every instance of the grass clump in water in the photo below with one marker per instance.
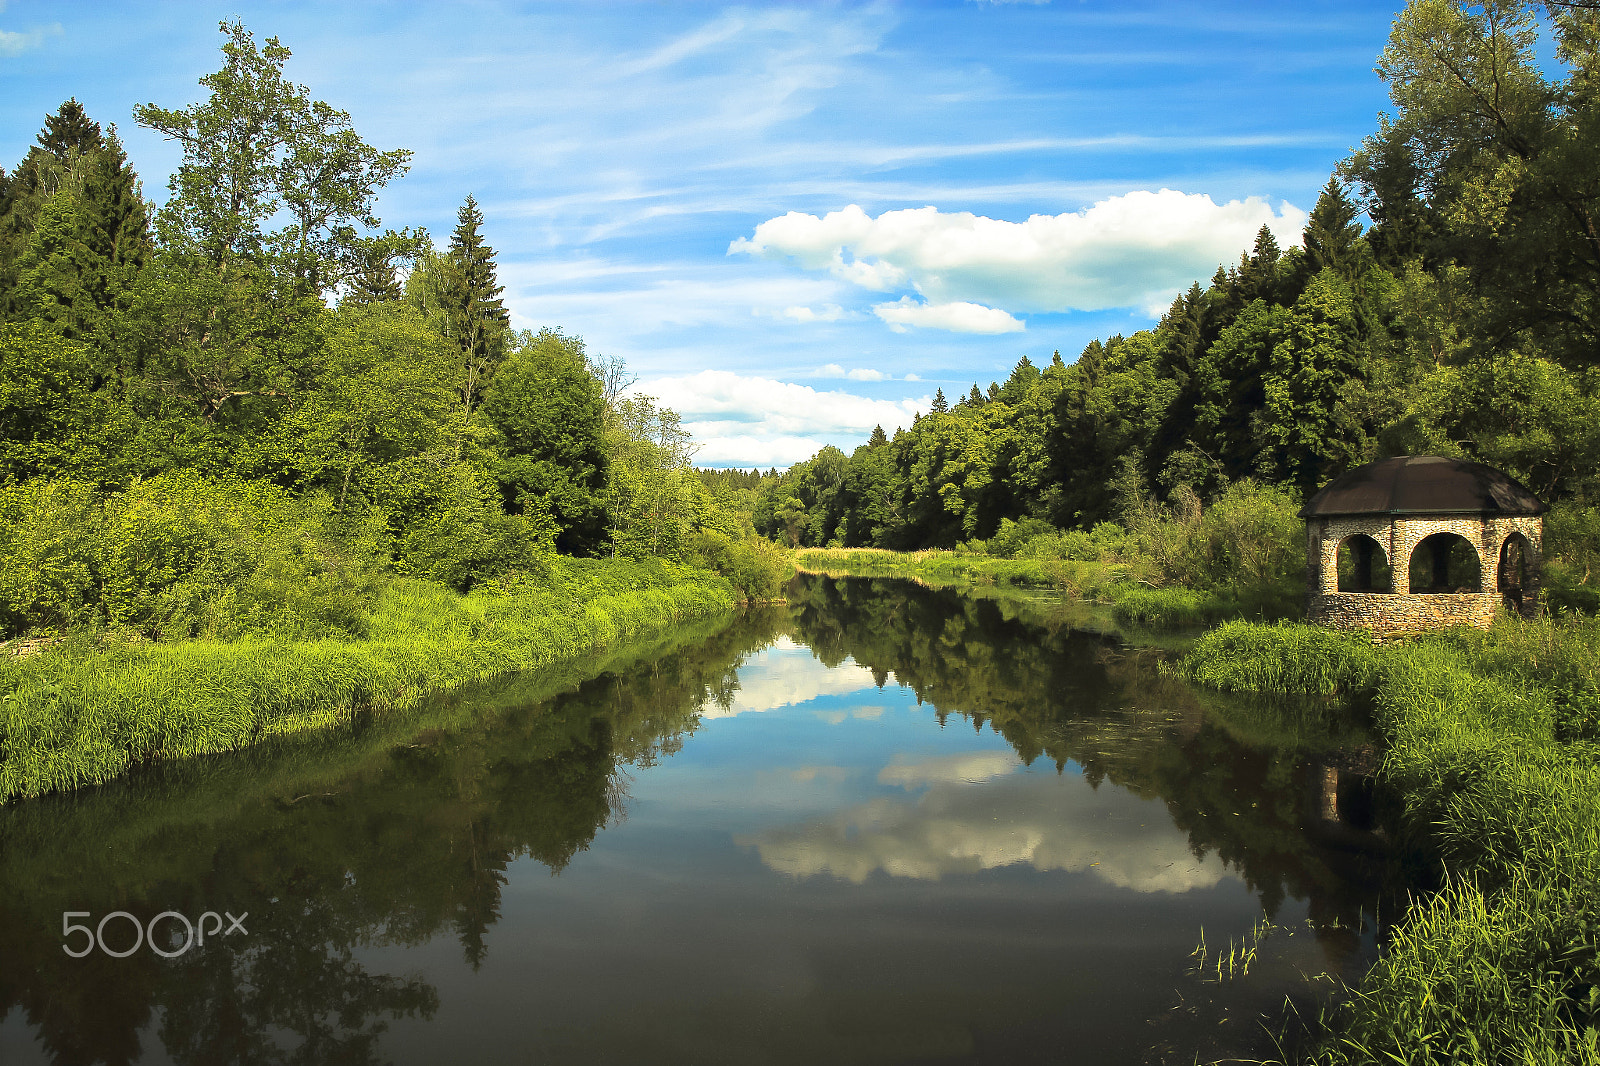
(1490, 748)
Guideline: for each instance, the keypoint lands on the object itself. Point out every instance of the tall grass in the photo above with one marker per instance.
(84, 711)
(1490, 746)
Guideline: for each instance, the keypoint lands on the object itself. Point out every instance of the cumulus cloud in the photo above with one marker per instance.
(1138, 249)
(957, 317)
(13, 43)
(959, 826)
(742, 420)
(786, 674)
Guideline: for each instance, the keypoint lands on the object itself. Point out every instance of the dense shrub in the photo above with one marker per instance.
(181, 555)
(754, 565)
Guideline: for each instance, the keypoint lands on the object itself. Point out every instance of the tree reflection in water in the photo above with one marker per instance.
(402, 829)
(383, 835)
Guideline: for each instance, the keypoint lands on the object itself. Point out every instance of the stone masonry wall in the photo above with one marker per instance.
(1399, 537)
(1387, 614)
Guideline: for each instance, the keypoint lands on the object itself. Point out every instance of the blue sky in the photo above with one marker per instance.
(792, 222)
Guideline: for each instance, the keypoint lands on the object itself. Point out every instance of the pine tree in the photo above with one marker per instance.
(89, 243)
(940, 404)
(67, 136)
(1332, 231)
(374, 282)
(477, 318)
(877, 439)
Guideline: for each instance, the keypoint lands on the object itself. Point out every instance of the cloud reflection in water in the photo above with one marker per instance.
(978, 814)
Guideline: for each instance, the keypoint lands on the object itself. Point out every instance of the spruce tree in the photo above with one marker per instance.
(89, 243)
(877, 439)
(940, 404)
(477, 318)
(1332, 231)
(67, 136)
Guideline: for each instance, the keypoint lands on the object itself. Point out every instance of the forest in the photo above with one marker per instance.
(1444, 299)
(247, 410)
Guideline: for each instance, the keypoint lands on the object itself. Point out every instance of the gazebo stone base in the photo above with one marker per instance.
(1388, 614)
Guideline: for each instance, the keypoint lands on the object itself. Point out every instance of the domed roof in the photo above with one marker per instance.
(1424, 484)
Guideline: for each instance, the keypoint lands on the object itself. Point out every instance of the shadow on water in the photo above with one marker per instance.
(402, 835)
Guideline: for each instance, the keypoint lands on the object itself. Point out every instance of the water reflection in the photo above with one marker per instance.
(976, 814)
(886, 823)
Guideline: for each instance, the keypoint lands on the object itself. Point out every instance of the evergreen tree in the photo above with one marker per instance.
(1332, 232)
(67, 135)
(877, 440)
(90, 242)
(940, 404)
(974, 398)
(475, 316)
(374, 282)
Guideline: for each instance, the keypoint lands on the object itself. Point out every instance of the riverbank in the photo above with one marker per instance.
(1493, 747)
(85, 709)
(1133, 601)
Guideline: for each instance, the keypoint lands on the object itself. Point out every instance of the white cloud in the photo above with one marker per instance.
(957, 317)
(738, 419)
(829, 313)
(13, 43)
(967, 822)
(1134, 250)
(834, 370)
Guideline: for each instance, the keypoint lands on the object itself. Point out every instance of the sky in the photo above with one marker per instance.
(793, 222)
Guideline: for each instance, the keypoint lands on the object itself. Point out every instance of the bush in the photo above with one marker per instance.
(180, 555)
(754, 565)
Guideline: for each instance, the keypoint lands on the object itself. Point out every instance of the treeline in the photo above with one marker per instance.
(258, 392)
(1463, 322)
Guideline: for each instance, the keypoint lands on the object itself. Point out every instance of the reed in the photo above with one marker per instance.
(86, 710)
(1490, 747)
(1170, 608)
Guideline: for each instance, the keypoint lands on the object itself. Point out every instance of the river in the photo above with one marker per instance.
(886, 823)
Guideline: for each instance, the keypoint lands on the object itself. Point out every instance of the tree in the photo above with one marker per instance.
(1491, 165)
(67, 136)
(550, 412)
(460, 293)
(940, 404)
(260, 146)
(91, 240)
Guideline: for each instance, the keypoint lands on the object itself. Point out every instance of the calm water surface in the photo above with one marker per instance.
(886, 824)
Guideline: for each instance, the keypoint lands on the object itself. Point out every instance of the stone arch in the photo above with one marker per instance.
(1362, 565)
(1515, 569)
(1445, 562)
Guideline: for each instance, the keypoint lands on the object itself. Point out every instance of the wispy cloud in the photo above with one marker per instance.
(14, 42)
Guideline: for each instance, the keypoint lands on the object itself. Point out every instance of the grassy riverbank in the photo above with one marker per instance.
(1133, 601)
(87, 708)
(1492, 746)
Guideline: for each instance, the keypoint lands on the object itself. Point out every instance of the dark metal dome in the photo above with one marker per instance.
(1424, 484)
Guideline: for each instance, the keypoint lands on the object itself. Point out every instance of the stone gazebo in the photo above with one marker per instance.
(1419, 542)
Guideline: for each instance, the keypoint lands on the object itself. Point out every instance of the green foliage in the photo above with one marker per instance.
(550, 412)
(1250, 657)
(179, 556)
(1491, 746)
(260, 146)
(76, 713)
(1170, 608)
(757, 569)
